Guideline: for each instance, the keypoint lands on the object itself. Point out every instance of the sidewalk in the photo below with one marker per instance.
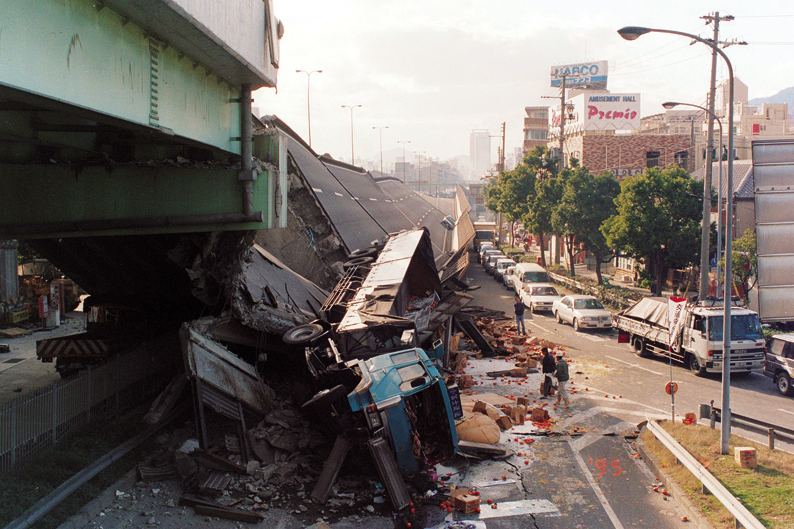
(582, 271)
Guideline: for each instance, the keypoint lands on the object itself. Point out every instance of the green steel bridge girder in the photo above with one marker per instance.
(95, 59)
(58, 201)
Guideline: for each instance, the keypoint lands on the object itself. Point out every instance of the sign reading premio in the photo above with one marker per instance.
(610, 111)
(589, 74)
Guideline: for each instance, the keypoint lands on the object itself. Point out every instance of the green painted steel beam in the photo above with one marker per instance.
(95, 59)
(62, 201)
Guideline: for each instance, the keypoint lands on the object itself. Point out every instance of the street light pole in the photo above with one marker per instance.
(352, 154)
(672, 104)
(632, 33)
(380, 135)
(308, 98)
(404, 142)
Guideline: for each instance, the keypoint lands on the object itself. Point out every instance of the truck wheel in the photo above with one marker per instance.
(304, 334)
(784, 384)
(576, 325)
(639, 347)
(695, 367)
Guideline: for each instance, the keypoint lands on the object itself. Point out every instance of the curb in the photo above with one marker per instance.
(692, 511)
(91, 509)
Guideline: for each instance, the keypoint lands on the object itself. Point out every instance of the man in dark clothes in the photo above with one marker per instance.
(549, 368)
(519, 307)
(562, 380)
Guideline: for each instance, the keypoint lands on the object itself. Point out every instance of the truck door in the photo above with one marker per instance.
(695, 337)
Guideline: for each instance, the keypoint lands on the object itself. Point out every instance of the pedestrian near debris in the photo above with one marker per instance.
(519, 307)
(562, 380)
(549, 368)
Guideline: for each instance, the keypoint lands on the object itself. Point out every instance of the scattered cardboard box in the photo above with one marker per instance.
(478, 428)
(465, 381)
(463, 501)
(539, 415)
(746, 456)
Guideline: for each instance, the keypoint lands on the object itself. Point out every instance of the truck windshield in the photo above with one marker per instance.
(743, 327)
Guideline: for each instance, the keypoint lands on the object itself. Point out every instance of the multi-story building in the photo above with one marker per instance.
(536, 127)
(480, 152)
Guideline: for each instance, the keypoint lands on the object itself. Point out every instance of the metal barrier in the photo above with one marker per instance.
(773, 431)
(35, 422)
(709, 482)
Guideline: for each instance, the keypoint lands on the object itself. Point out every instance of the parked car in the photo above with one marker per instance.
(507, 278)
(529, 273)
(779, 362)
(487, 253)
(583, 312)
(539, 296)
(490, 263)
(500, 269)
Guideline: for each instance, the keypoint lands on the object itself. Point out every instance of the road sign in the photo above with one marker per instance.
(670, 388)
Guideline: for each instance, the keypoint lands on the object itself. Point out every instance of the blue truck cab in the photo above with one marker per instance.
(404, 393)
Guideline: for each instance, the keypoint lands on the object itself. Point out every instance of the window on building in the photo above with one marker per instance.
(682, 159)
(537, 135)
(652, 158)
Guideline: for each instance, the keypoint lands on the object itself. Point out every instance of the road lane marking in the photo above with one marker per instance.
(786, 411)
(538, 326)
(594, 393)
(634, 365)
(317, 190)
(592, 338)
(593, 485)
(338, 194)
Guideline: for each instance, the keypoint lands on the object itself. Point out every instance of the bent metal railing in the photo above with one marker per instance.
(710, 483)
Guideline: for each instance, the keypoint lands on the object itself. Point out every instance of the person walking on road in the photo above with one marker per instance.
(562, 380)
(549, 368)
(519, 307)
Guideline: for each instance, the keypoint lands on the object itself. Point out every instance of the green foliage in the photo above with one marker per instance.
(586, 202)
(658, 219)
(744, 261)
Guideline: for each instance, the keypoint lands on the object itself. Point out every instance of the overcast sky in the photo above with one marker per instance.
(434, 70)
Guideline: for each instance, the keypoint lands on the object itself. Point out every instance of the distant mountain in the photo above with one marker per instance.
(784, 96)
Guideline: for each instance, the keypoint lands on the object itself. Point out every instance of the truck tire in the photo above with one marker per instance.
(694, 366)
(638, 345)
(304, 334)
(324, 399)
(783, 384)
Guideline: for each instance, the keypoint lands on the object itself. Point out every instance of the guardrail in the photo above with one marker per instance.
(709, 482)
(587, 289)
(773, 431)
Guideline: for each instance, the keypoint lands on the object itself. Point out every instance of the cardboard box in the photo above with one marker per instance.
(539, 415)
(517, 414)
(745, 456)
(480, 407)
(465, 381)
(464, 502)
(523, 401)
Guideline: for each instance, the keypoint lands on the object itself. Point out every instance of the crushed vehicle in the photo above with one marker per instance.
(698, 345)
(376, 361)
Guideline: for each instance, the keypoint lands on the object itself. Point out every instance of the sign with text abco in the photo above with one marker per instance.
(592, 74)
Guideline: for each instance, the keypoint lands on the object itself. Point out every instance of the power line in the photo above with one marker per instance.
(699, 56)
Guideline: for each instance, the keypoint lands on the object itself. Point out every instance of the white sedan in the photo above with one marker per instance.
(583, 312)
(539, 296)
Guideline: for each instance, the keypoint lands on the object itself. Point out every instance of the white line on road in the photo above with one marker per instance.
(600, 495)
(786, 411)
(593, 338)
(634, 365)
(538, 326)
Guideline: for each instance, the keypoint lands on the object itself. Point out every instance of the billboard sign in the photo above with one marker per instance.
(584, 74)
(598, 111)
(611, 111)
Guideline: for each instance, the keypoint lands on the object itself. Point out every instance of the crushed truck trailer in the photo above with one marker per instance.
(644, 326)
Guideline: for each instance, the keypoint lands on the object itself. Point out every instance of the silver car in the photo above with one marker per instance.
(539, 296)
(583, 312)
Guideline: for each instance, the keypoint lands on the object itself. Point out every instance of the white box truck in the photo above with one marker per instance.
(699, 343)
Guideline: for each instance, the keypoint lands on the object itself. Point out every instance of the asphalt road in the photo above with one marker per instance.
(588, 475)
